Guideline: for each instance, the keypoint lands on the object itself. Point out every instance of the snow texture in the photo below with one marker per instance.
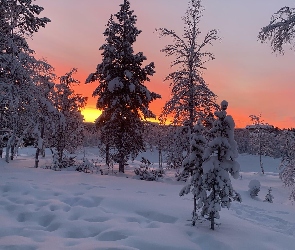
(45, 209)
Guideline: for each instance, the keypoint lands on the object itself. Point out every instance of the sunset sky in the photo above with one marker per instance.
(245, 72)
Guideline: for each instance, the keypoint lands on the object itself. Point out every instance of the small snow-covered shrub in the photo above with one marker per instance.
(67, 161)
(87, 166)
(254, 188)
(146, 173)
(269, 196)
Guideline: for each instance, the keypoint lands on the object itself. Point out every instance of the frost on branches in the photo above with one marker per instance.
(287, 167)
(122, 95)
(191, 98)
(18, 21)
(178, 147)
(262, 138)
(219, 162)
(280, 30)
(68, 134)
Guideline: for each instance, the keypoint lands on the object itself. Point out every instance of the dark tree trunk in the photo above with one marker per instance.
(121, 166)
(195, 210)
(12, 152)
(212, 220)
(37, 157)
(160, 159)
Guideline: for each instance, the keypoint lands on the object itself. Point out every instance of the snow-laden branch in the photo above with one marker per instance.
(280, 30)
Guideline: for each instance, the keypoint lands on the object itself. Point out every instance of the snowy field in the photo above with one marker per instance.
(45, 209)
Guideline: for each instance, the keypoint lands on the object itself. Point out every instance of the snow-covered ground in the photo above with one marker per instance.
(45, 209)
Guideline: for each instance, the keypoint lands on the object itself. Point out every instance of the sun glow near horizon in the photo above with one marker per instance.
(91, 114)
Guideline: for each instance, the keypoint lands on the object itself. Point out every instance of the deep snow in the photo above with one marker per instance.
(46, 209)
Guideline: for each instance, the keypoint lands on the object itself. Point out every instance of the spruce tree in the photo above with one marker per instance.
(191, 98)
(122, 95)
(269, 197)
(193, 167)
(219, 161)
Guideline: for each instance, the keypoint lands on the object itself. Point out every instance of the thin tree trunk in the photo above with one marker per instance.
(195, 210)
(107, 155)
(212, 220)
(12, 152)
(37, 157)
(7, 153)
(260, 153)
(160, 159)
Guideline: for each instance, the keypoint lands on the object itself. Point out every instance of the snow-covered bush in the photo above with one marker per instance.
(66, 162)
(144, 172)
(87, 166)
(254, 188)
(269, 197)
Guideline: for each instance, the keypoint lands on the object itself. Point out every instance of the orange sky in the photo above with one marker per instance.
(245, 72)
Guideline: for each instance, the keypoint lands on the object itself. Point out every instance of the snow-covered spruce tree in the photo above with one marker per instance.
(69, 120)
(122, 95)
(219, 161)
(191, 99)
(193, 167)
(280, 30)
(269, 197)
(287, 167)
(18, 21)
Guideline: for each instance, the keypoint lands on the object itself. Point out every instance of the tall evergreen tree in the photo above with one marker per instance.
(122, 96)
(191, 98)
